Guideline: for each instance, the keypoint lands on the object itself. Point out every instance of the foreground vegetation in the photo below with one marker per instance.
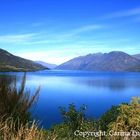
(8, 131)
(124, 119)
(17, 124)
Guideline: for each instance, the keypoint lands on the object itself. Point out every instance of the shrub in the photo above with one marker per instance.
(128, 118)
(74, 119)
(15, 102)
(108, 117)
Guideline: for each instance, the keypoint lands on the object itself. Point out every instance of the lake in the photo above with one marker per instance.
(98, 90)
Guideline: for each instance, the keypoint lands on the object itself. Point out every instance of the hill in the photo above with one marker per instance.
(10, 62)
(136, 56)
(113, 61)
(48, 65)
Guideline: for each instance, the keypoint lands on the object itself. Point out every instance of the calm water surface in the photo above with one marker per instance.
(98, 90)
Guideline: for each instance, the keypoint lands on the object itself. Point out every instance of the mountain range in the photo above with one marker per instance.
(137, 56)
(113, 61)
(116, 61)
(10, 62)
(48, 65)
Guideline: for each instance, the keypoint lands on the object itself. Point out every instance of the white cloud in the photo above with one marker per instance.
(19, 38)
(80, 30)
(56, 57)
(124, 13)
(45, 38)
(86, 28)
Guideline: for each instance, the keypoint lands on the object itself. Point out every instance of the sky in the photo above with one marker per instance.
(55, 31)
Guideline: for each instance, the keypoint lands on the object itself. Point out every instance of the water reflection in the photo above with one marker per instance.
(114, 84)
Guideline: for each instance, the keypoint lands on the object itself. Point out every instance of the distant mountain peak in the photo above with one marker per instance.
(117, 53)
(112, 61)
(99, 53)
(48, 65)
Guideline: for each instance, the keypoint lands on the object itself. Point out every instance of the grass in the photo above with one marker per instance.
(9, 131)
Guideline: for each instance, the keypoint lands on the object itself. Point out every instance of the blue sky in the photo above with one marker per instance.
(58, 30)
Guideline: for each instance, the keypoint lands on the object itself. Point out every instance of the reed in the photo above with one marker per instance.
(28, 131)
(15, 118)
(15, 101)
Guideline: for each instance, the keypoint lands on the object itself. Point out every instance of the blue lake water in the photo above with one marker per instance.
(98, 90)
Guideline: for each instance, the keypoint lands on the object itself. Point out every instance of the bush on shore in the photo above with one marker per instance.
(122, 118)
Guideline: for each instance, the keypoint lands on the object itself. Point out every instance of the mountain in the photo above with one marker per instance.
(137, 56)
(10, 62)
(113, 61)
(48, 65)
